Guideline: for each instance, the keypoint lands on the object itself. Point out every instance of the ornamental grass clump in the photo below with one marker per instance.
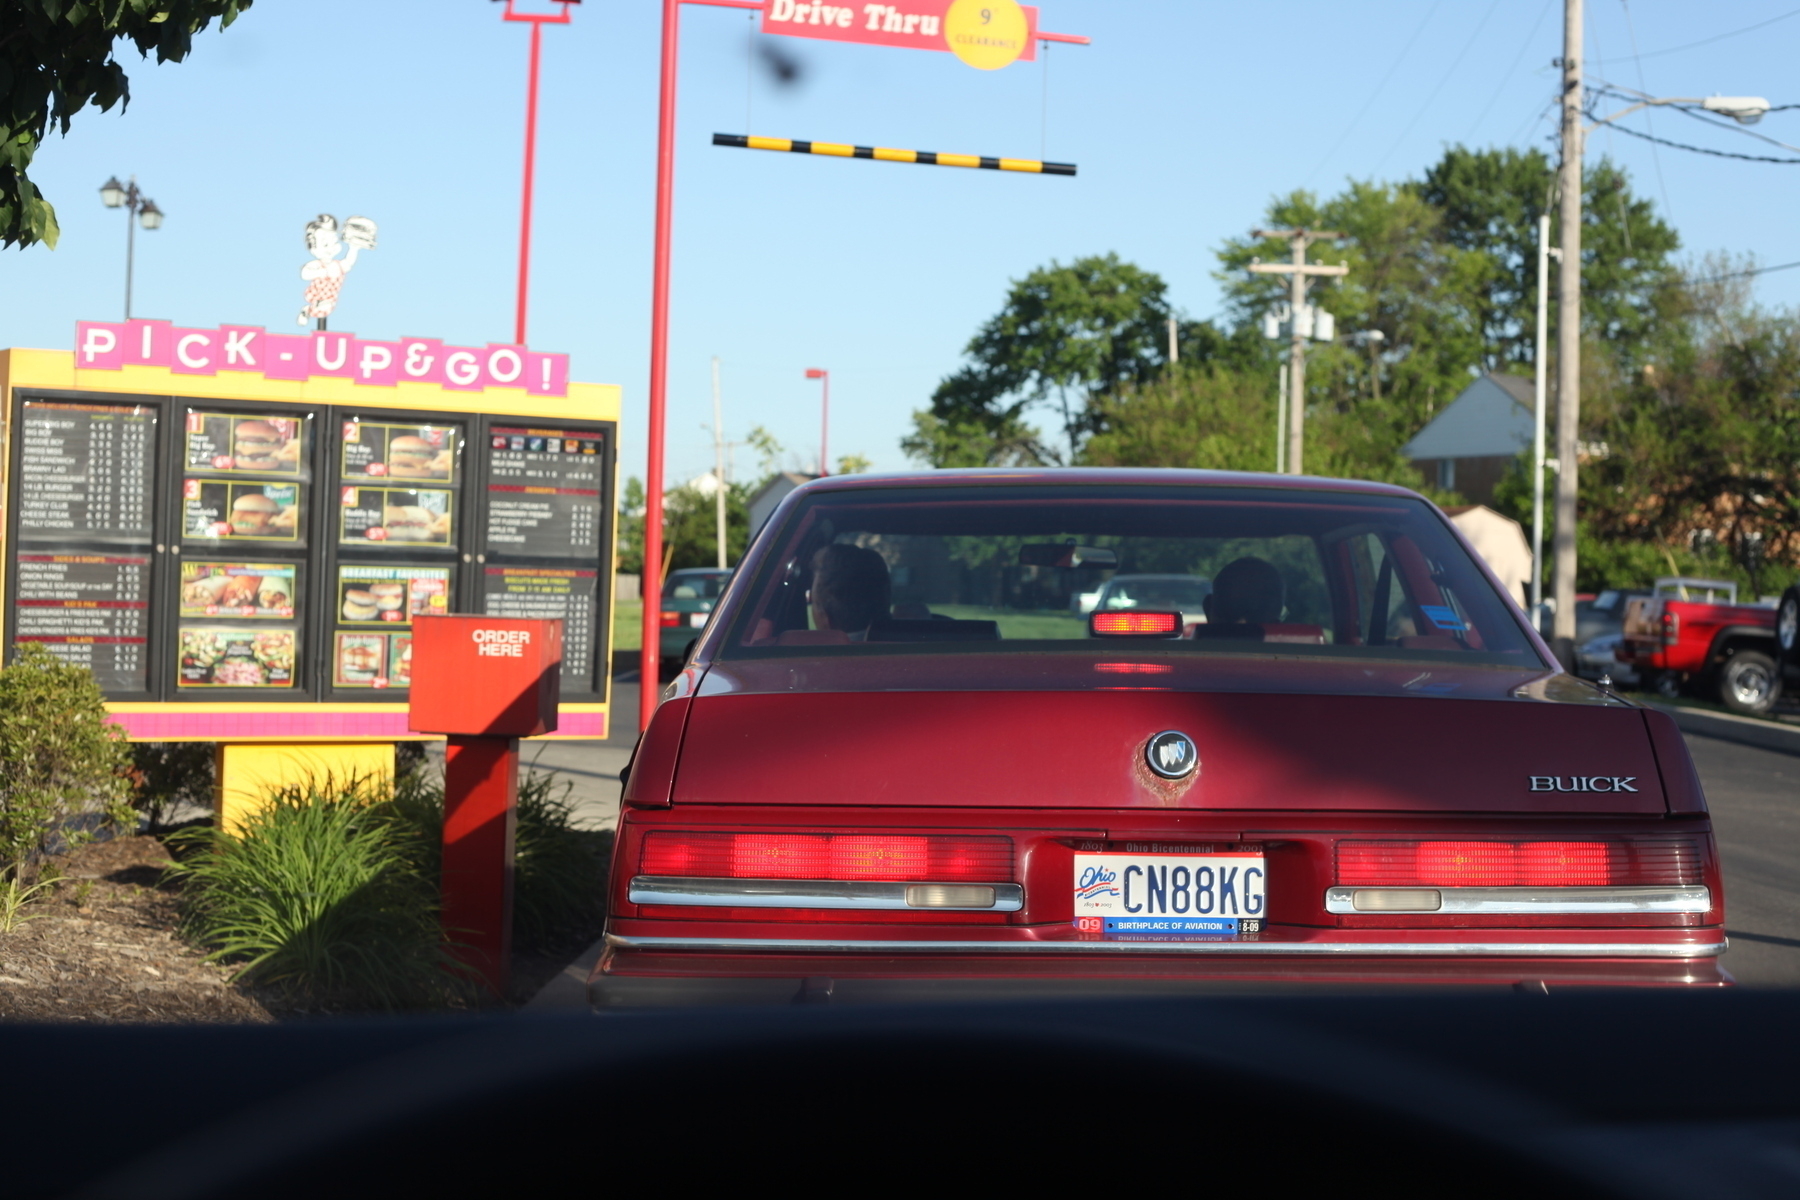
(323, 893)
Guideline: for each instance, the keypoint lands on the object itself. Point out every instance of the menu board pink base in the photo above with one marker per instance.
(205, 725)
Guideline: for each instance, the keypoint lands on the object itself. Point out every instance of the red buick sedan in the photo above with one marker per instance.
(902, 762)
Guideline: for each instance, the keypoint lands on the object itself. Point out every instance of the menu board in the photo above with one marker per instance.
(85, 471)
(550, 593)
(88, 609)
(375, 450)
(372, 660)
(369, 595)
(543, 492)
(236, 656)
(246, 444)
(419, 517)
(259, 590)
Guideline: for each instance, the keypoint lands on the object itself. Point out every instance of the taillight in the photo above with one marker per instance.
(1659, 862)
(1135, 624)
(1671, 628)
(889, 857)
(670, 620)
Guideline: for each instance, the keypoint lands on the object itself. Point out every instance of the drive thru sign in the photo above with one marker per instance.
(485, 682)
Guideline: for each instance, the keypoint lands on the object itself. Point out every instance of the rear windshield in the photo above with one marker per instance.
(1047, 568)
(695, 585)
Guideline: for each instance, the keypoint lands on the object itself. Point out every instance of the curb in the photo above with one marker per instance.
(1730, 727)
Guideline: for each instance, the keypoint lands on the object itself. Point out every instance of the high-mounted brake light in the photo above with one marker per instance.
(1135, 624)
(875, 857)
(1637, 862)
(1133, 668)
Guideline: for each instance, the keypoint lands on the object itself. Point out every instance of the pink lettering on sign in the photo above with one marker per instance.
(115, 345)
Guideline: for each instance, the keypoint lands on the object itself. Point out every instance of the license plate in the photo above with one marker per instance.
(1169, 894)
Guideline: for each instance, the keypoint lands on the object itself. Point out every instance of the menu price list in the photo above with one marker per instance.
(551, 593)
(544, 492)
(85, 471)
(89, 610)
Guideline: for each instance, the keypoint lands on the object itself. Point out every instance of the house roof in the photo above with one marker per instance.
(1491, 418)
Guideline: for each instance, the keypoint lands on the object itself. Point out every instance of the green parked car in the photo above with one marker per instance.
(688, 597)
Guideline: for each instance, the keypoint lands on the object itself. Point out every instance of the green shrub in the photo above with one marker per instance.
(167, 775)
(322, 894)
(62, 765)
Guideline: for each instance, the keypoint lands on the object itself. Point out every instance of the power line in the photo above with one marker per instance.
(1721, 37)
(1363, 111)
(1506, 78)
(1420, 110)
(1637, 61)
(1746, 274)
(1762, 158)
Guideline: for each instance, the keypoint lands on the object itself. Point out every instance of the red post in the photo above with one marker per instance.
(531, 104)
(650, 657)
(824, 416)
(481, 800)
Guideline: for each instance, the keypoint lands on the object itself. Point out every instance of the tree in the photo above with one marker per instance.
(690, 527)
(56, 57)
(1065, 336)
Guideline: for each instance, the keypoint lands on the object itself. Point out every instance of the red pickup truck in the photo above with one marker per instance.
(1692, 633)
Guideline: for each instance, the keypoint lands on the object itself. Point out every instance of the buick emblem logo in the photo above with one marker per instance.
(1172, 754)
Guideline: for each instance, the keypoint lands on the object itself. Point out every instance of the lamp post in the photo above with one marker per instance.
(113, 194)
(824, 415)
(1746, 110)
(537, 21)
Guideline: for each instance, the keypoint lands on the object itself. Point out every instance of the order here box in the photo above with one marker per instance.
(485, 676)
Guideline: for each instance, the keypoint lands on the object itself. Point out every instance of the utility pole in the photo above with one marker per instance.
(1568, 339)
(719, 461)
(1299, 271)
(1174, 349)
(1541, 368)
(1281, 408)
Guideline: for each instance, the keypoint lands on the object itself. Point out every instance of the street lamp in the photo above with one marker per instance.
(113, 194)
(824, 415)
(1745, 110)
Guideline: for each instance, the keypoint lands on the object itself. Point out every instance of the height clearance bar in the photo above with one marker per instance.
(928, 158)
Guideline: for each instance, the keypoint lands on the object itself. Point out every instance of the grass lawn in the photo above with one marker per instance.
(1019, 625)
(628, 624)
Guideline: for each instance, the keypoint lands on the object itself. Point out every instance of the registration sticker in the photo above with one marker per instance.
(1171, 893)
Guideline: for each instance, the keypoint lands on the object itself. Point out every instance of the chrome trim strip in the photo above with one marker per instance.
(1273, 949)
(805, 893)
(1690, 899)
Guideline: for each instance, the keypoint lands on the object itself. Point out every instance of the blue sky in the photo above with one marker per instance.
(1185, 117)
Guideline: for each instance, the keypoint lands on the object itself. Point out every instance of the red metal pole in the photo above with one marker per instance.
(825, 426)
(531, 105)
(481, 800)
(650, 658)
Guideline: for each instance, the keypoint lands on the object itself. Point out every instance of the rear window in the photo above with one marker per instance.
(1033, 568)
(695, 585)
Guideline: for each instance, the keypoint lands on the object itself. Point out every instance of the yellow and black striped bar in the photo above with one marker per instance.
(881, 153)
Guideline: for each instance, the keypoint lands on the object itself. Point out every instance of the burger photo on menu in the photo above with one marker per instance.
(400, 660)
(220, 509)
(421, 517)
(259, 445)
(215, 589)
(377, 451)
(360, 660)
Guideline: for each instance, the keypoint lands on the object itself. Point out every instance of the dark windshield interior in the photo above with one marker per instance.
(985, 568)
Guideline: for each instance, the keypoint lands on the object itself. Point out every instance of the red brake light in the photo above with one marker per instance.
(1671, 628)
(890, 857)
(1112, 668)
(1659, 862)
(670, 619)
(1135, 624)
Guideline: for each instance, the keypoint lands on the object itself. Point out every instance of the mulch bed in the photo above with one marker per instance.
(102, 946)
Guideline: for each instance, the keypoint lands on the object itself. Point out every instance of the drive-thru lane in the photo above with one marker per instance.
(1754, 795)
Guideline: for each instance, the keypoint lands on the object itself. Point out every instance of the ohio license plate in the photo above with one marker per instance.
(1171, 894)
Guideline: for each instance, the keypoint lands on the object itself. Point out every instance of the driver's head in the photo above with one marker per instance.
(850, 588)
(1246, 592)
